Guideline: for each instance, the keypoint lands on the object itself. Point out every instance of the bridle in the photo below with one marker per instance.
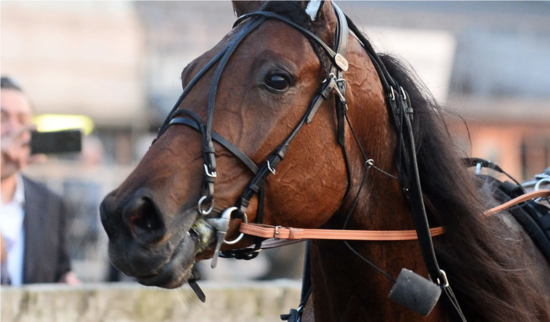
(401, 115)
(189, 118)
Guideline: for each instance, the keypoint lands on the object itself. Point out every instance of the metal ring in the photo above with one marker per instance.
(537, 185)
(199, 206)
(236, 240)
(370, 162)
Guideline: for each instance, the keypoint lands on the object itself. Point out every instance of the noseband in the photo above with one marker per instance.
(399, 109)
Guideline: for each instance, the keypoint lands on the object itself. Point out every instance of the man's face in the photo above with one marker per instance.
(15, 131)
(16, 112)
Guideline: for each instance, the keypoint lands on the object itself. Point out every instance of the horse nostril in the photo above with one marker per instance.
(108, 214)
(143, 217)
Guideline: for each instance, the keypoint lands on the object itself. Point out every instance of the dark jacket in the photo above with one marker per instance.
(46, 258)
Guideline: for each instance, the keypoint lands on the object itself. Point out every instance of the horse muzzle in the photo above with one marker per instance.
(143, 245)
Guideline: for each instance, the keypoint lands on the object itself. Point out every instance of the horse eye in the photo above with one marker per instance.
(278, 83)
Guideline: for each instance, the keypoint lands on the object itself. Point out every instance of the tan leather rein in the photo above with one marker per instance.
(279, 232)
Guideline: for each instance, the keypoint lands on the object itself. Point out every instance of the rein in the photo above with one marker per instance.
(290, 233)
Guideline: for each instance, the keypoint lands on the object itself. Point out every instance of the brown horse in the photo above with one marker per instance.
(261, 92)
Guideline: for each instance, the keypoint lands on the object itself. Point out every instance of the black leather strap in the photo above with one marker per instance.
(187, 89)
(342, 33)
(301, 29)
(401, 114)
(218, 138)
(307, 289)
(473, 162)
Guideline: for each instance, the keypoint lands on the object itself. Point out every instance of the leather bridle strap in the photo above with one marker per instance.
(518, 200)
(218, 138)
(290, 233)
(401, 115)
(339, 63)
(299, 28)
(334, 83)
(279, 232)
(477, 162)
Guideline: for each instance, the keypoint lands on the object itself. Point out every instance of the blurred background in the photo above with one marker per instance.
(113, 68)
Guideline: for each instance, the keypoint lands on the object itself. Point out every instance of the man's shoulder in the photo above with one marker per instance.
(39, 189)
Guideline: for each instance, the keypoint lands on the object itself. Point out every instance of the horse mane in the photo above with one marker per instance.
(491, 284)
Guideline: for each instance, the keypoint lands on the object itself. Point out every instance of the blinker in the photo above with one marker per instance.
(415, 292)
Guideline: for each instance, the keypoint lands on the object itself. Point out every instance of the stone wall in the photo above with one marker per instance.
(254, 302)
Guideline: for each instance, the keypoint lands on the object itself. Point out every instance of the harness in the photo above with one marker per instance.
(401, 115)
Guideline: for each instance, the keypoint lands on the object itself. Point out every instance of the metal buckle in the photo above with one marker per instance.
(271, 168)
(202, 211)
(403, 93)
(212, 174)
(337, 89)
(277, 232)
(392, 94)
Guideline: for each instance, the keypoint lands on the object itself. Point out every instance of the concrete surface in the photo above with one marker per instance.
(253, 302)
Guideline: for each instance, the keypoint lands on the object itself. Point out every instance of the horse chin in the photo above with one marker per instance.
(177, 269)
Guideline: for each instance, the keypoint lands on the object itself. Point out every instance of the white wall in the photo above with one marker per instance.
(80, 57)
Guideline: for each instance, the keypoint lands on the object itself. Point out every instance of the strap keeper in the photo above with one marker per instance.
(327, 89)
(442, 280)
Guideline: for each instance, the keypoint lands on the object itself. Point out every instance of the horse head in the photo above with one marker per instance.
(259, 96)
(292, 121)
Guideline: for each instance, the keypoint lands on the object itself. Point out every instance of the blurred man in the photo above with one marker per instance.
(33, 218)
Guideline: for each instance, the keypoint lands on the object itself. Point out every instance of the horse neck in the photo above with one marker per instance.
(345, 288)
(348, 289)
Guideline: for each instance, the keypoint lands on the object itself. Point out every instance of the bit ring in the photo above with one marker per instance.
(236, 240)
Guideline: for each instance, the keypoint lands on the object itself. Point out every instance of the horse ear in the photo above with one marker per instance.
(323, 18)
(243, 7)
(313, 8)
